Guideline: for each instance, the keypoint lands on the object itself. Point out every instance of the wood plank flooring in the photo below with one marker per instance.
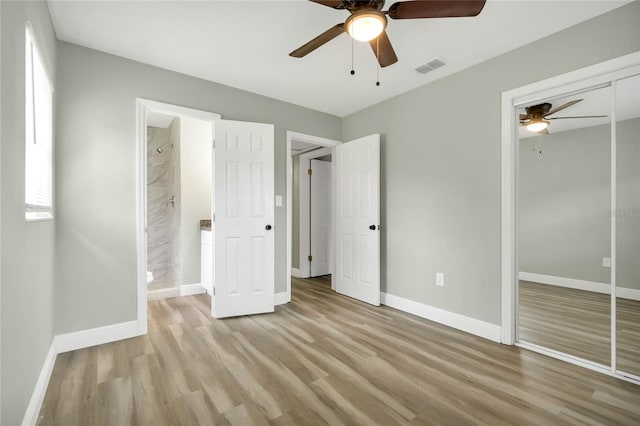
(322, 359)
(578, 323)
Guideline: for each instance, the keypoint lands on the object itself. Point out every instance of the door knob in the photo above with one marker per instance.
(372, 227)
(268, 227)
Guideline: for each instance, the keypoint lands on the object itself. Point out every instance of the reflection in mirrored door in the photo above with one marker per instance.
(564, 233)
(627, 223)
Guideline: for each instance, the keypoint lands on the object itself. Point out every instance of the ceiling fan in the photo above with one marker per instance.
(368, 22)
(537, 117)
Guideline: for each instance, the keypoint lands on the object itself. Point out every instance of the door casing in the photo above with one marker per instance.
(316, 140)
(304, 208)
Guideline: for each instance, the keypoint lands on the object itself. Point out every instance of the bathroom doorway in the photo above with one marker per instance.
(179, 190)
(175, 206)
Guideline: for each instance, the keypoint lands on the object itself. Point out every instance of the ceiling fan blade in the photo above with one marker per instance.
(435, 9)
(386, 56)
(561, 107)
(580, 116)
(524, 117)
(335, 4)
(323, 38)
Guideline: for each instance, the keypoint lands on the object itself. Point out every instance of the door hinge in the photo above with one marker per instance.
(309, 172)
(310, 258)
(213, 143)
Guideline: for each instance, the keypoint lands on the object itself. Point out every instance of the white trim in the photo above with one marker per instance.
(142, 106)
(460, 322)
(191, 289)
(614, 255)
(163, 293)
(586, 77)
(626, 293)
(281, 298)
(596, 287)
(509, 218)
(593, 286)
(141, 215)
(37, 397)
(295, 272)
(96, 336)
(628, 377)
(604, 369)
(313, 140)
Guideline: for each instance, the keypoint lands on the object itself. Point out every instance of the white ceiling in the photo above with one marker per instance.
(246, 44)
(594, 102)
(157, 119)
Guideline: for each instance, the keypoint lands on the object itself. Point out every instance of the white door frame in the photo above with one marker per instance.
(316, 140)
(594, 75)
(142, 107)
(305, 196)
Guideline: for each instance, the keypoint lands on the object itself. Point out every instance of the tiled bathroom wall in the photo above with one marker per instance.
(163, 206)
(157, 196)
(174, 271)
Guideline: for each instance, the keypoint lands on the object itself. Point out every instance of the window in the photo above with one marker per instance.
(38, 134)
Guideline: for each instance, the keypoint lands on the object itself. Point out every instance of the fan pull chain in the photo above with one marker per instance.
(378, 61)
(352, 70)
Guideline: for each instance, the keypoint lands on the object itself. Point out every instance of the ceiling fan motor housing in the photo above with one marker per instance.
(354, 5)
(539, 109)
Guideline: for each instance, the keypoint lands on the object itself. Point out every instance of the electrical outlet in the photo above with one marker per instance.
(606, 262)
(440, 279)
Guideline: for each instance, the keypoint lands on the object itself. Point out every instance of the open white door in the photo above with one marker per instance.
(320, 218)
(357, 269)
(244, 216)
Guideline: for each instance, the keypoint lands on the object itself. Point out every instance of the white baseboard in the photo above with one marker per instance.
(298, 273)
(163, 293)
(628, 293)
(457, 321)
(596, 287)
(96, 336)
(191, 289)
(281, 298)
(37, 397)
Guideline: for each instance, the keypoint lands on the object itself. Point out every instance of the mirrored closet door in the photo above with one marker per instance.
(564, 232)
(626, 219)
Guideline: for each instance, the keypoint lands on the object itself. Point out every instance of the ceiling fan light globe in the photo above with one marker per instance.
(537, 126)
(366, 25)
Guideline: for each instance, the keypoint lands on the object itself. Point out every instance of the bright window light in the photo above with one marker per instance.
(38, 134)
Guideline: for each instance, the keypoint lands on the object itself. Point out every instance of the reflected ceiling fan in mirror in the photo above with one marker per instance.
(368, 22)
(537, 118)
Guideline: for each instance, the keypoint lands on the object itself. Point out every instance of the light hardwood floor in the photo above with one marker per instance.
(322, 359)
(578, 323)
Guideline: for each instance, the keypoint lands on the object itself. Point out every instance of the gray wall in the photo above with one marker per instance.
(564, 194)
(565, 200)
(441, 165)
(96, 245)
(26, 248)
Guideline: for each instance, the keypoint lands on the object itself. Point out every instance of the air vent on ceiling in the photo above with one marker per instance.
(430, 66)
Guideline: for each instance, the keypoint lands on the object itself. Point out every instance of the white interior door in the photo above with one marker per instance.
(357, 271)
(244, 216)
(320, 223)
